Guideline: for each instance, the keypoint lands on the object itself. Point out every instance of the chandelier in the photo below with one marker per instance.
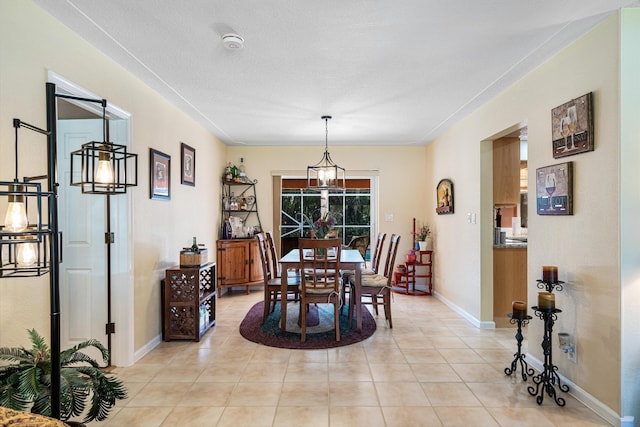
(326, 175)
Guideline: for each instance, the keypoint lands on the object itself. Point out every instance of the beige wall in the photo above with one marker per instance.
(401, 170)
(585, 246)
(31, 43)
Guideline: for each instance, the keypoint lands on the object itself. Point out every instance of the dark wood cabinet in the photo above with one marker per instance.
(238, 263)
(188, 301)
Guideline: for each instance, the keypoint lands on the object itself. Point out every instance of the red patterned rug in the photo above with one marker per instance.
(320, 332)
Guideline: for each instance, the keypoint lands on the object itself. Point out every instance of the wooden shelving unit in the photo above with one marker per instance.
(421, 270)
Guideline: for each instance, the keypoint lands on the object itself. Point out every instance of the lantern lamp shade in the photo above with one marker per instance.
(326, 175)
(104, 168)
(25, 231)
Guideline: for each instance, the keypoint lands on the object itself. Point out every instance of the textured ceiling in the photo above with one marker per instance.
(389, 72)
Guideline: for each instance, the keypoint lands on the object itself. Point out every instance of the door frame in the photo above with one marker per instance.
(122, 315)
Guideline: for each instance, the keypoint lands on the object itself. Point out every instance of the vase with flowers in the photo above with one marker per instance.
(422, 236)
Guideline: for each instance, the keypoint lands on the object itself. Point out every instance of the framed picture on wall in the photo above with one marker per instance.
(444, 197)
(188, 165)
(159, 175)
(572, 127)
(554, 189)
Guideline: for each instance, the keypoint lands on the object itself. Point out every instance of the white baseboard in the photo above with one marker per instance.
(588, 400)
(147, 348)
(476, 322)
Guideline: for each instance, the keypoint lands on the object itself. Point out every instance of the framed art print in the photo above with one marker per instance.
(572, 127)
(187, 165)
(554, 189)
(444, 197)
(159, 175)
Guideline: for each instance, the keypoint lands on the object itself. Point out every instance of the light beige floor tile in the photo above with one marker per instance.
(354, 416)
(392, 372)
(410, 417)
(301, 372)
(401, 394)
(193, 417)
(304, 394)
(418, 355)
(307, 416)
(222, 372)
(309, 356)
(448, 342)
(352, 394)
(460, 355)
(479, 373)
(264, 372)
(521, 417)
(353, 353)
(234, 416)
(178, 374)
(569, 417)
(465, 417)
(255, 394)
(207, 394)
(450, 370)
(434, 372)
(349, 371)
(159, 394)
(142, 417)
(447, 394)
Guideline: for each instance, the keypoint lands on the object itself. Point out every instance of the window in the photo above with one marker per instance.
(353, 207)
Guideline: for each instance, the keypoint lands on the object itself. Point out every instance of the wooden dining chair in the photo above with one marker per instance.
(272, 284)
(322, 258)
(379, 285)
(349, 276)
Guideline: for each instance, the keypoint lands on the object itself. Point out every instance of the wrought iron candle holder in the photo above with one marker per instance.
(546, 381)
(550, 286)
(519, 356)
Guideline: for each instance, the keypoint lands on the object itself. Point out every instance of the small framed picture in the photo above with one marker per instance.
(444, 197)
(572, 127)
(188, 165)
(159, 175)
(554, 189)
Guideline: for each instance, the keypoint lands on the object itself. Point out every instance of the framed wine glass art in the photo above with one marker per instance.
(572, 127)
(554, 189)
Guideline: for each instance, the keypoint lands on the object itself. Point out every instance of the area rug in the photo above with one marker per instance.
(320, 332)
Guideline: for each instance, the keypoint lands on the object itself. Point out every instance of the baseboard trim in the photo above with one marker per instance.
(147, 348)
(476, 322)
(586, 399)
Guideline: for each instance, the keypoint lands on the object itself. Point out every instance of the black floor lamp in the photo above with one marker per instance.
(30, 240)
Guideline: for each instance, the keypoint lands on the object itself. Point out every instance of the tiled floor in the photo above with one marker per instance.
(432, 369)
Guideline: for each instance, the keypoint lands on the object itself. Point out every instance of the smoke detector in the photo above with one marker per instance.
(232, 41)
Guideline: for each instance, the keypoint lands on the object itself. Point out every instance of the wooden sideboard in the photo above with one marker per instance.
(238, 264)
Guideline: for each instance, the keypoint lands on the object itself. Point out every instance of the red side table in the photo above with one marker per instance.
(406, 275)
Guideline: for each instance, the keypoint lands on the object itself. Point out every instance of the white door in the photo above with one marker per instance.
(83, 289)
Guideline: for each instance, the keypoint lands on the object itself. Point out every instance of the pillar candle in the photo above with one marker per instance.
(549, 274)
(546, 301)
(519, 310)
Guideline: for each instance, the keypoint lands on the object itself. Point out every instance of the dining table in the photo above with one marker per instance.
(350, 259)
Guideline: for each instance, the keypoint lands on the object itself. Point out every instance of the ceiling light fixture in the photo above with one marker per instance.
(326, 175)
(232, 41)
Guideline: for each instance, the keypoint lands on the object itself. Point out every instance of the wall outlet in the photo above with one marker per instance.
(572, 355)
(388, 217)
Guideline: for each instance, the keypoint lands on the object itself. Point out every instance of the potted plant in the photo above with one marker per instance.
(25, 383)
(421, 235)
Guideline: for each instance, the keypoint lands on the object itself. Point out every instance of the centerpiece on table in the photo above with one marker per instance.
(324, 226)
(421, 237)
